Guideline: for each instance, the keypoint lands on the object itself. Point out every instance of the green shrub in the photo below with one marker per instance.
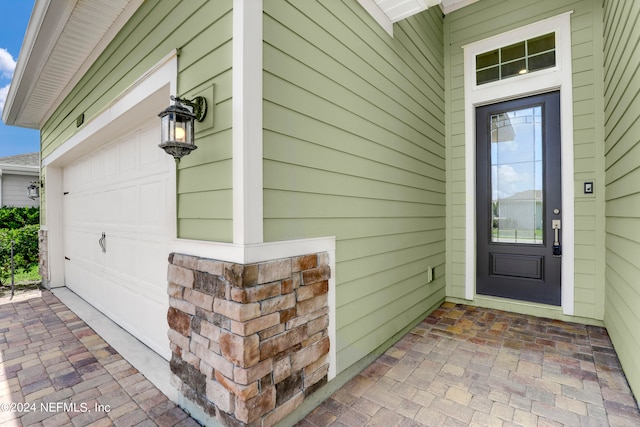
(25, 250)
(18, 217)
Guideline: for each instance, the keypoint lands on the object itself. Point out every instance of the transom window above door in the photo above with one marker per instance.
(516, 59)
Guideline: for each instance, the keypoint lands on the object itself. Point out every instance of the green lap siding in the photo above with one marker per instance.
(202, 31)
(492, 17)
(622, 160)
(354, 148)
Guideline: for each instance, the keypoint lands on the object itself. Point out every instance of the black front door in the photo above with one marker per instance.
(519, 200)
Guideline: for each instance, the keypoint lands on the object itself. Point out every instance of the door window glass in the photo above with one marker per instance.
(517, 185)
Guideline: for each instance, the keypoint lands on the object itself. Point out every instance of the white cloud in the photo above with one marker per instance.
(3, 96)
(507, 173)
(7, 63)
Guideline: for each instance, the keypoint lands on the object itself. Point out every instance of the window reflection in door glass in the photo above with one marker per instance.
(517, 177)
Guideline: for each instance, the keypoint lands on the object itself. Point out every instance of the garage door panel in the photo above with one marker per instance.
(128, 157)
(124, 258)
(151, 202)
(150, 156)
(151, 318)
(128, 205)
(110, 206)
(150, 254)
(97, 168)
(121, 190)
(111, 164)
(83, 246)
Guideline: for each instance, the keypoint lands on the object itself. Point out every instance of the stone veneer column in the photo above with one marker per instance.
(249, 342)
(43, 256)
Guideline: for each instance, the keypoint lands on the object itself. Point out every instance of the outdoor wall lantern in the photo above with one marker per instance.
(177, 125)
(33, 190)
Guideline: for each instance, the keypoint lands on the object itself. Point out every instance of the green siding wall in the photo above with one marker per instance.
(491, 17)
(202, 30)
(622, 148)
(354, 148)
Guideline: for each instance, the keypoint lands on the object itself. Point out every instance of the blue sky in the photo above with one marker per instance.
(14, 140)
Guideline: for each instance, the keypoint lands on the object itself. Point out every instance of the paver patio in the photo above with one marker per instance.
(461, 366)
(471, 366)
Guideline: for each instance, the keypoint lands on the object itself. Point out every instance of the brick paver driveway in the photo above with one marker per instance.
(55, 371)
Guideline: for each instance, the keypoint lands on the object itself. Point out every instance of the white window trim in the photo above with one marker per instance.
(556, 78)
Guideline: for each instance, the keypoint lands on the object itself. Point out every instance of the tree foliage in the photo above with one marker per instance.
(19, 217)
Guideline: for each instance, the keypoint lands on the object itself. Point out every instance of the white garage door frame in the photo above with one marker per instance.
(137, 107)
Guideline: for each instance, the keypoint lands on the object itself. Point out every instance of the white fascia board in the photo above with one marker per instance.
(25, 170)
(46, 23)
(247, 122)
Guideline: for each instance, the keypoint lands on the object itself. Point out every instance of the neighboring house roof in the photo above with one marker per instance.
(21, 162)
(53, 59)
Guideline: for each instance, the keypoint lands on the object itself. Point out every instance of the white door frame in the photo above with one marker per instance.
(556, 78)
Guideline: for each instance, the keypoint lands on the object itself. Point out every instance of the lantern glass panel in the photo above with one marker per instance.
(181, 131)
(166, 128)
(33, 192)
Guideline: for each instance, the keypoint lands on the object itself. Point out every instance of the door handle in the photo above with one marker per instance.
(103, 242)
(556, 225)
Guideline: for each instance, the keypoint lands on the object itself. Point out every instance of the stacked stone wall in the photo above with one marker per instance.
(43, 256)
(249, 342)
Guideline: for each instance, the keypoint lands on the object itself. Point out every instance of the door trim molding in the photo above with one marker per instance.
(556, 78)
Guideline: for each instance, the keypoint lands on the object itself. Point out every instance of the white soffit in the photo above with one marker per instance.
(386, 12)
(397, 10)
(449, 6)
(63, 39)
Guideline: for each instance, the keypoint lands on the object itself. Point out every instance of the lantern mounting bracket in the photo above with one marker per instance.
(198, 104)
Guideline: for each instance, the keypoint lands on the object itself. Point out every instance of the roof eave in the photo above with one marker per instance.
(29, 64)
(45, 27)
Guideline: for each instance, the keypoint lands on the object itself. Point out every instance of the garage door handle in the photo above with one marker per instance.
(103, 242)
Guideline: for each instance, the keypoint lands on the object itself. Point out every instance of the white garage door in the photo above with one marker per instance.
(121, 190)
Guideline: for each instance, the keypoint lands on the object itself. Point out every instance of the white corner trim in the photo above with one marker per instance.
(259, 252)
(376, 13)
(557, 78)
(247, 122)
